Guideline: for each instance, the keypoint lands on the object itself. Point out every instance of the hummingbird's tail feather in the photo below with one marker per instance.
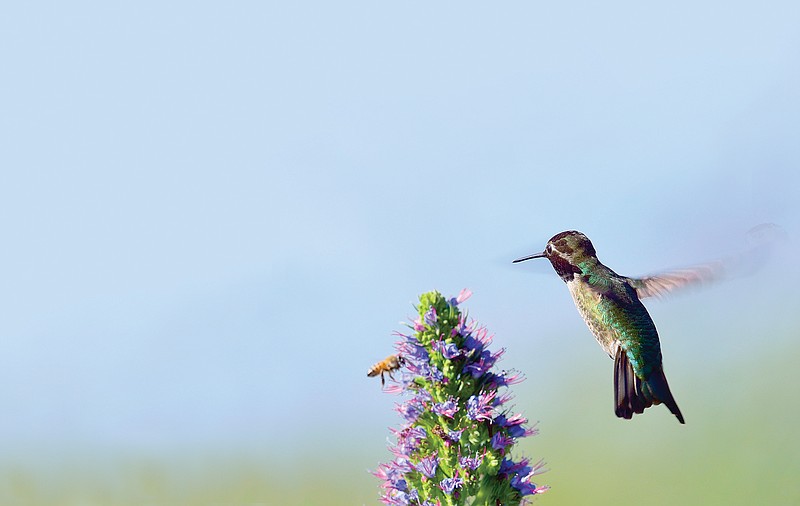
(659, 391)
(632, 395)
(628, 396)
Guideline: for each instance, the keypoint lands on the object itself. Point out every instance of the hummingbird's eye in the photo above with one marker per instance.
(548, 249)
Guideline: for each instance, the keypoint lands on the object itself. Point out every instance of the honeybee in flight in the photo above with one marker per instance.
(386, 366)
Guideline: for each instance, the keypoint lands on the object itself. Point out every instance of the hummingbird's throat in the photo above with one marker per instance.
(564, 268)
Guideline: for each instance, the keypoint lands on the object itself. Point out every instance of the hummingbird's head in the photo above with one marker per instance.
(568, 252)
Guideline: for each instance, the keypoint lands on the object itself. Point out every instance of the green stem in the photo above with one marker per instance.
(482, 498)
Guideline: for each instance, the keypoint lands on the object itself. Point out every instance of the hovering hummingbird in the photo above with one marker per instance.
(610, 306)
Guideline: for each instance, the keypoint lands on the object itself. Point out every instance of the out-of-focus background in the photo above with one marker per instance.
(213, 216)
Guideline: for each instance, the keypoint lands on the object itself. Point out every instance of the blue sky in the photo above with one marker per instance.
(214, 216)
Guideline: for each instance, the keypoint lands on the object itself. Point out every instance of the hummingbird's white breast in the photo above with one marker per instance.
(588, 301)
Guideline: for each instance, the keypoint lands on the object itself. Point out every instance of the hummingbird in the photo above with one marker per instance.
(611, 307)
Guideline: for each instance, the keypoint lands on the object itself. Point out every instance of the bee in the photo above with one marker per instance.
(386, 366)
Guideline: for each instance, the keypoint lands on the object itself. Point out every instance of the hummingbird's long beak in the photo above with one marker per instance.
(537, 255)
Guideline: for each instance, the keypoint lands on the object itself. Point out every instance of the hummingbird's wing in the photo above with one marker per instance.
(663, 283)
(761, 239)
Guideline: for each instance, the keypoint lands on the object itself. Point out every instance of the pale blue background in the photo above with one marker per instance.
(214, 215)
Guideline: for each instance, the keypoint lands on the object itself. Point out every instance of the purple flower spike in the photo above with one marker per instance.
(455, 429)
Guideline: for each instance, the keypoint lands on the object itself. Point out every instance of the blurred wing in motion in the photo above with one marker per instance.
(761, 240)
(663, 283)
(766, 235)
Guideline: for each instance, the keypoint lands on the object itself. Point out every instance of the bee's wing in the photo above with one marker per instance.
(663, 283)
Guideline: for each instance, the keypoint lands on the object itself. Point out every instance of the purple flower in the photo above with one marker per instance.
(500, 441)
(431, 316)
(525, 486)
(415, 433)
(538, 468)
(395, 388)
(426, 370)
(400, 452)
(451, 351)
(472, 345)
(427, 466)
(448, 485)
(382, 473)
(422, 396)
(408, 440)
(523, 467)
(454, 435)
(410, 349)
(503, 398)
(521, 480)
(478, 336)
(484, 362)
(395, 498)
(462, 296)
(409, 410)
(400, 498)
(447, 408)
(480, 407)
(471, 463)
(508, 466)
(393, 474)
(448, 350)
(514, 425)
(504, 379)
